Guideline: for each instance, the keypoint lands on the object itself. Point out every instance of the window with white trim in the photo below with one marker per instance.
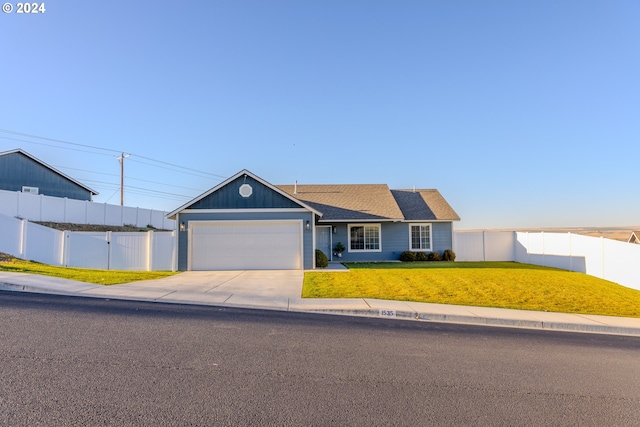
(420, 237)
(364, 238)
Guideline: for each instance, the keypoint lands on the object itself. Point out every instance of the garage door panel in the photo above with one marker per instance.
(246, 245)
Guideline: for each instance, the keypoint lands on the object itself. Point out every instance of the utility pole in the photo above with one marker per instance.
(121, 160)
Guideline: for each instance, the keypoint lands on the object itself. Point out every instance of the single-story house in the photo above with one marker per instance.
(247, 223)
(20, 171)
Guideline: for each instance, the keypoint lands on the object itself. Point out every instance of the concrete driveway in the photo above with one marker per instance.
(263, 288)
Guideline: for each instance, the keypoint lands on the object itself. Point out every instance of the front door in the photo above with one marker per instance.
(323, 240)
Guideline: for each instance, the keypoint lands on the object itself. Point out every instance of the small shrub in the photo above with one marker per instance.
(449, 255)
(422, 256)
(321, 259)
(434, 256)
(407, 256)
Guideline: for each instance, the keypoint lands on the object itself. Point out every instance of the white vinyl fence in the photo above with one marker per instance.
(608, 259)
(143, 251)
(55, 209)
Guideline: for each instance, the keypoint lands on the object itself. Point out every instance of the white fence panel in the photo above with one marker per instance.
(557, 250)
(129, 251)
(144, 217)
(589, 251)
(53, 208)
(9, 203)
(520, 252)
(95, 213)
(130, 216)
(43, 244)
(29, 206)
(76, 211)
(158, 220)
(484, 245)
(112, 215)
(468, 245)
(499, 245)
(87, 250)
(153, 250)
(11, 236)
(163, 250)
(621, 263)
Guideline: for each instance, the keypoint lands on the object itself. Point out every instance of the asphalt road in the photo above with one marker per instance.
(77, 361)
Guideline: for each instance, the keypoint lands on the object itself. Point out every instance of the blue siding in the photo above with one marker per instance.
(307, 235)
(18, 170)
(228, 197)
(395, 240)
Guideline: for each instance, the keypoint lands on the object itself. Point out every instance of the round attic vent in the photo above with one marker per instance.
(245, 190)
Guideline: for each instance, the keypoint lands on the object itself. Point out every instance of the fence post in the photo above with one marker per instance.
(174, 255)
(150, 250)
(484, 247)
(23, 238)
(108, 237)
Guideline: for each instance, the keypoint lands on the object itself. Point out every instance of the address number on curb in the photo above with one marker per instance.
(387, 313)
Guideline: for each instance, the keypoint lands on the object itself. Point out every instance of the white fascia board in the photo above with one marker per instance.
(255, 210)
(354, 220)
(428, 220)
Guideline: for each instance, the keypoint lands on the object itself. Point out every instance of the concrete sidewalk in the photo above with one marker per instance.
(281, 290)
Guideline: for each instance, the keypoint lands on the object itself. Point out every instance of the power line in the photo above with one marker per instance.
(104, 149)
(156, 193)
(130, 178)
(55, 146)
(56, 140)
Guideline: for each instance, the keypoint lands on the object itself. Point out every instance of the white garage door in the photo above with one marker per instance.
(245, 245)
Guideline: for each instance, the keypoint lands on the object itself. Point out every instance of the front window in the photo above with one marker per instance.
(364, 238)
(420, 237)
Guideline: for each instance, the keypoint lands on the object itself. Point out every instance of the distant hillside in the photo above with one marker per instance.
(614, 233)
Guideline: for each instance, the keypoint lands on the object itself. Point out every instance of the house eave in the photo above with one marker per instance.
(172, 215)
(35, 159)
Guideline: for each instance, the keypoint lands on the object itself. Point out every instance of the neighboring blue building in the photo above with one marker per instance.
(246, 223)
(20, 171)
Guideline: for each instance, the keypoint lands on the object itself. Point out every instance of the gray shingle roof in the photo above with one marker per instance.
(424, 205)
(348, 201)
(373, 202)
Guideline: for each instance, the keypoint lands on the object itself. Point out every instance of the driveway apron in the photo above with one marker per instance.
(260, 288)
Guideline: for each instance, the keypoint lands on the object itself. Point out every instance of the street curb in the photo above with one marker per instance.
(372, 313)
(486, 321)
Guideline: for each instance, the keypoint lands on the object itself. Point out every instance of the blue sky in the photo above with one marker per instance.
(522, 114)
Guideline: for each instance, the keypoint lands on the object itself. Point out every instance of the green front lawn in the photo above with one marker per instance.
(486, 284)
(101, 277)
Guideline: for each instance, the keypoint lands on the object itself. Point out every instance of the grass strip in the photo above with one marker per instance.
(100, 277)
(491, 284)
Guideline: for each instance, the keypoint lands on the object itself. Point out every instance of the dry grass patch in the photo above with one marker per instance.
(500, 284)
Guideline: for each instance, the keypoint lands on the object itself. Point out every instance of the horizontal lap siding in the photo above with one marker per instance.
(442, 236)
(395, 240)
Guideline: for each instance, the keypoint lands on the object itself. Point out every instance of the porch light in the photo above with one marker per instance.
(335, 229)
(308, 225)
(183, 226)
